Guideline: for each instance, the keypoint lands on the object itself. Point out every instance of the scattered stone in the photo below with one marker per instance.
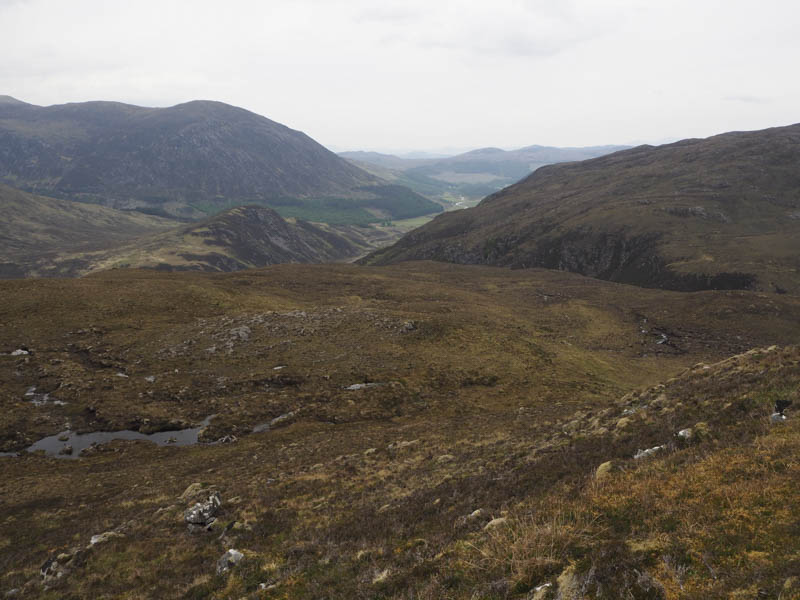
(495, 523)
(402, 444)
(685, 434)
(20, 352)
(56, 568)
(63, 437)
(267, 586)
(38, 399)
(475, 514)
(361, 386)
(604, 470)
(228, 439)
(282, 418)
(122, 375)
(279, 367)
(243, 333)
(150, 379)
(445, 458)
(203, 514)
(777, 418)
(51, 571)
(649, 452)
(369, 451)
(229, 560)
(408, 326)
(104, 537)
(66, 450)
(12, 593)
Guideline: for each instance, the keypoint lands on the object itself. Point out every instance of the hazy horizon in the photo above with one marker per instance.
(408, 76)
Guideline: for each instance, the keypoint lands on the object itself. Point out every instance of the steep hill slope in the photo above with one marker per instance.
(239, 238)
(187, 160)
(34, 228)
(423, 430)
(722, 212)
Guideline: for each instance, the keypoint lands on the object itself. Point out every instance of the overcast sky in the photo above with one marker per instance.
(424, 74)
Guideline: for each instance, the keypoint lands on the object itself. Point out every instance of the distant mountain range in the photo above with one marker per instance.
(46, 237)
(718, 213)
(471, 175)
(188, 161)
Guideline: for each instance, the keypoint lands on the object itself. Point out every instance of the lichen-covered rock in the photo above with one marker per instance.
(229, 560)
(648, 452)
(104, 537)
(203, 514)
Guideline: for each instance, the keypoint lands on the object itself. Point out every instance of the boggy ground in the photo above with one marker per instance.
(496, 389)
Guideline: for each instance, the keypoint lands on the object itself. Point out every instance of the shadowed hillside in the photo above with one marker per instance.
(240, 238)
(36, 229)
(718, 213)
(46, 237)
(188, 160)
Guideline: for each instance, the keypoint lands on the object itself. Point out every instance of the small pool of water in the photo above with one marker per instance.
(55, 445)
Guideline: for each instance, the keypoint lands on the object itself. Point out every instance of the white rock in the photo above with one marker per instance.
(104, 537)
(685, 433)
(228, 560)
(19, 352)
(202, 514)
(281, 418)
(649, 452)
(360, 386)
(777, 418)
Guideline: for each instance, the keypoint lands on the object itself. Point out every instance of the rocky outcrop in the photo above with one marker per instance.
(202, 515)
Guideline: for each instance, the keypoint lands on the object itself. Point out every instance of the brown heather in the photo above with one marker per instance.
(502, 391)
